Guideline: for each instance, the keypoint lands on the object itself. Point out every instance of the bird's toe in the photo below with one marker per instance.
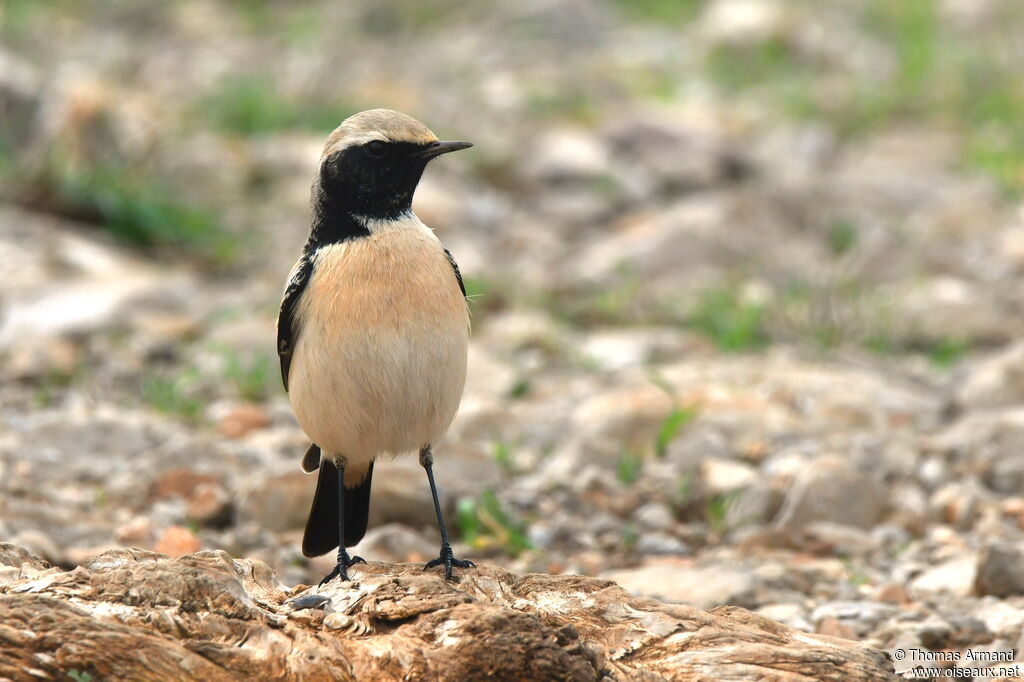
(448, 560)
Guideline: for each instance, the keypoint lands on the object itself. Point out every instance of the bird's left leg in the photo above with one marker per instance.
(447, 557)
(344, 561)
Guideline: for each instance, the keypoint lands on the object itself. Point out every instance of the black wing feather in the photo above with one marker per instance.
(321, 534)
(311, 460)
(455, 267)
(287, 328)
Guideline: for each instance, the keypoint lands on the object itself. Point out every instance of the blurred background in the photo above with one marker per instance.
(747, 280)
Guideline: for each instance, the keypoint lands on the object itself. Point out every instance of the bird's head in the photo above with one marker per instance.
(373, 161)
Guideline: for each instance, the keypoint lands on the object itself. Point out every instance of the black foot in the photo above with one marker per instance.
(341, 568)
(448, 560)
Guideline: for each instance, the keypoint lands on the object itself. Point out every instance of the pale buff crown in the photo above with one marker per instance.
(377, 124)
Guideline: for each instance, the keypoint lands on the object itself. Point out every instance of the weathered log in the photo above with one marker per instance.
(137, 615)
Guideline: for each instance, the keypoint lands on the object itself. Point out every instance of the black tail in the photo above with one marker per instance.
(311, 460)
(321, 534)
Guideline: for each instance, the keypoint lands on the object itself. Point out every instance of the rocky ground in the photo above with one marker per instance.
(209, 618)
(747, 285)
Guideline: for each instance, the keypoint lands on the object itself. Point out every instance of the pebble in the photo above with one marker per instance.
(177, 541)
(242, 419)
(211, 506)
(831, 490)
(952, 577)
(999, 571)
(679, 580)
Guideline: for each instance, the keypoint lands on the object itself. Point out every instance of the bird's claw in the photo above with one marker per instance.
(341, 568)
(448, 560)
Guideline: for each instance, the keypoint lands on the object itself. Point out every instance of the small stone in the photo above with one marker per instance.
(793, 615)
(995, 381)
(402, 496)
(1013, 508)
(567, 633)
(137, 532)
(661, 544)
(722, 476)
(210, 506)
(565, 154)
(616, 349)
(40, 544)
(934, 633)
(968, 629)
(910, 507)
(1002, 618)
(893, 593)
(242, 419)
(80, 305)
(78, 556)
(835, 538)
(861, 617)
(625, 418)
(830, 489)
(177, 541)
(999, 572)
(654, 515)
(957, 504)
(308, 601)
(754, 504)
(954, 576)
(279, 502)
(180, 482)
(396, 542)
(167, 326)
(743, 22)
(337, 621)
(833, 627)
(44, 358)
(681, 581)
(929, 309)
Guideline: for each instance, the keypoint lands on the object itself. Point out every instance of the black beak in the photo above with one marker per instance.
(442, 147)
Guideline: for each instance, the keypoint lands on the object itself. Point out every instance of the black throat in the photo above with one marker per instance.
(333, 221)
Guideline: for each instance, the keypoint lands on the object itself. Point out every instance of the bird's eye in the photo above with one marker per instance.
(376, 149)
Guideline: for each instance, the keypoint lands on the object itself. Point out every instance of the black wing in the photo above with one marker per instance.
(455, 267)
(287, 328)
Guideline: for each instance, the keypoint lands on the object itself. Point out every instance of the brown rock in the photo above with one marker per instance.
(39, 544)
(279, 503)
(137, 532)
(180, 483)
(893, 593)
(78, 555)
(999, 572)
(401, 496)
(833, 627)
(684, 581)
(242, 419)
(395, 542)
(17, 563)
(55, 357)
(831, 489)
(210, 506)
(178, 541)
(167, 326)
(1013, 508)
(994, 381)
(139, 615)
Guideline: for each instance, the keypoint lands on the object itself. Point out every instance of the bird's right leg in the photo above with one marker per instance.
(447, 556)
(344, 560)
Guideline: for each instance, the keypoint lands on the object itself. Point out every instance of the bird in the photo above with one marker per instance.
(373, 329)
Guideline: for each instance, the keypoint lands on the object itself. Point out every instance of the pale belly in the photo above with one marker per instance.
(380, 360)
